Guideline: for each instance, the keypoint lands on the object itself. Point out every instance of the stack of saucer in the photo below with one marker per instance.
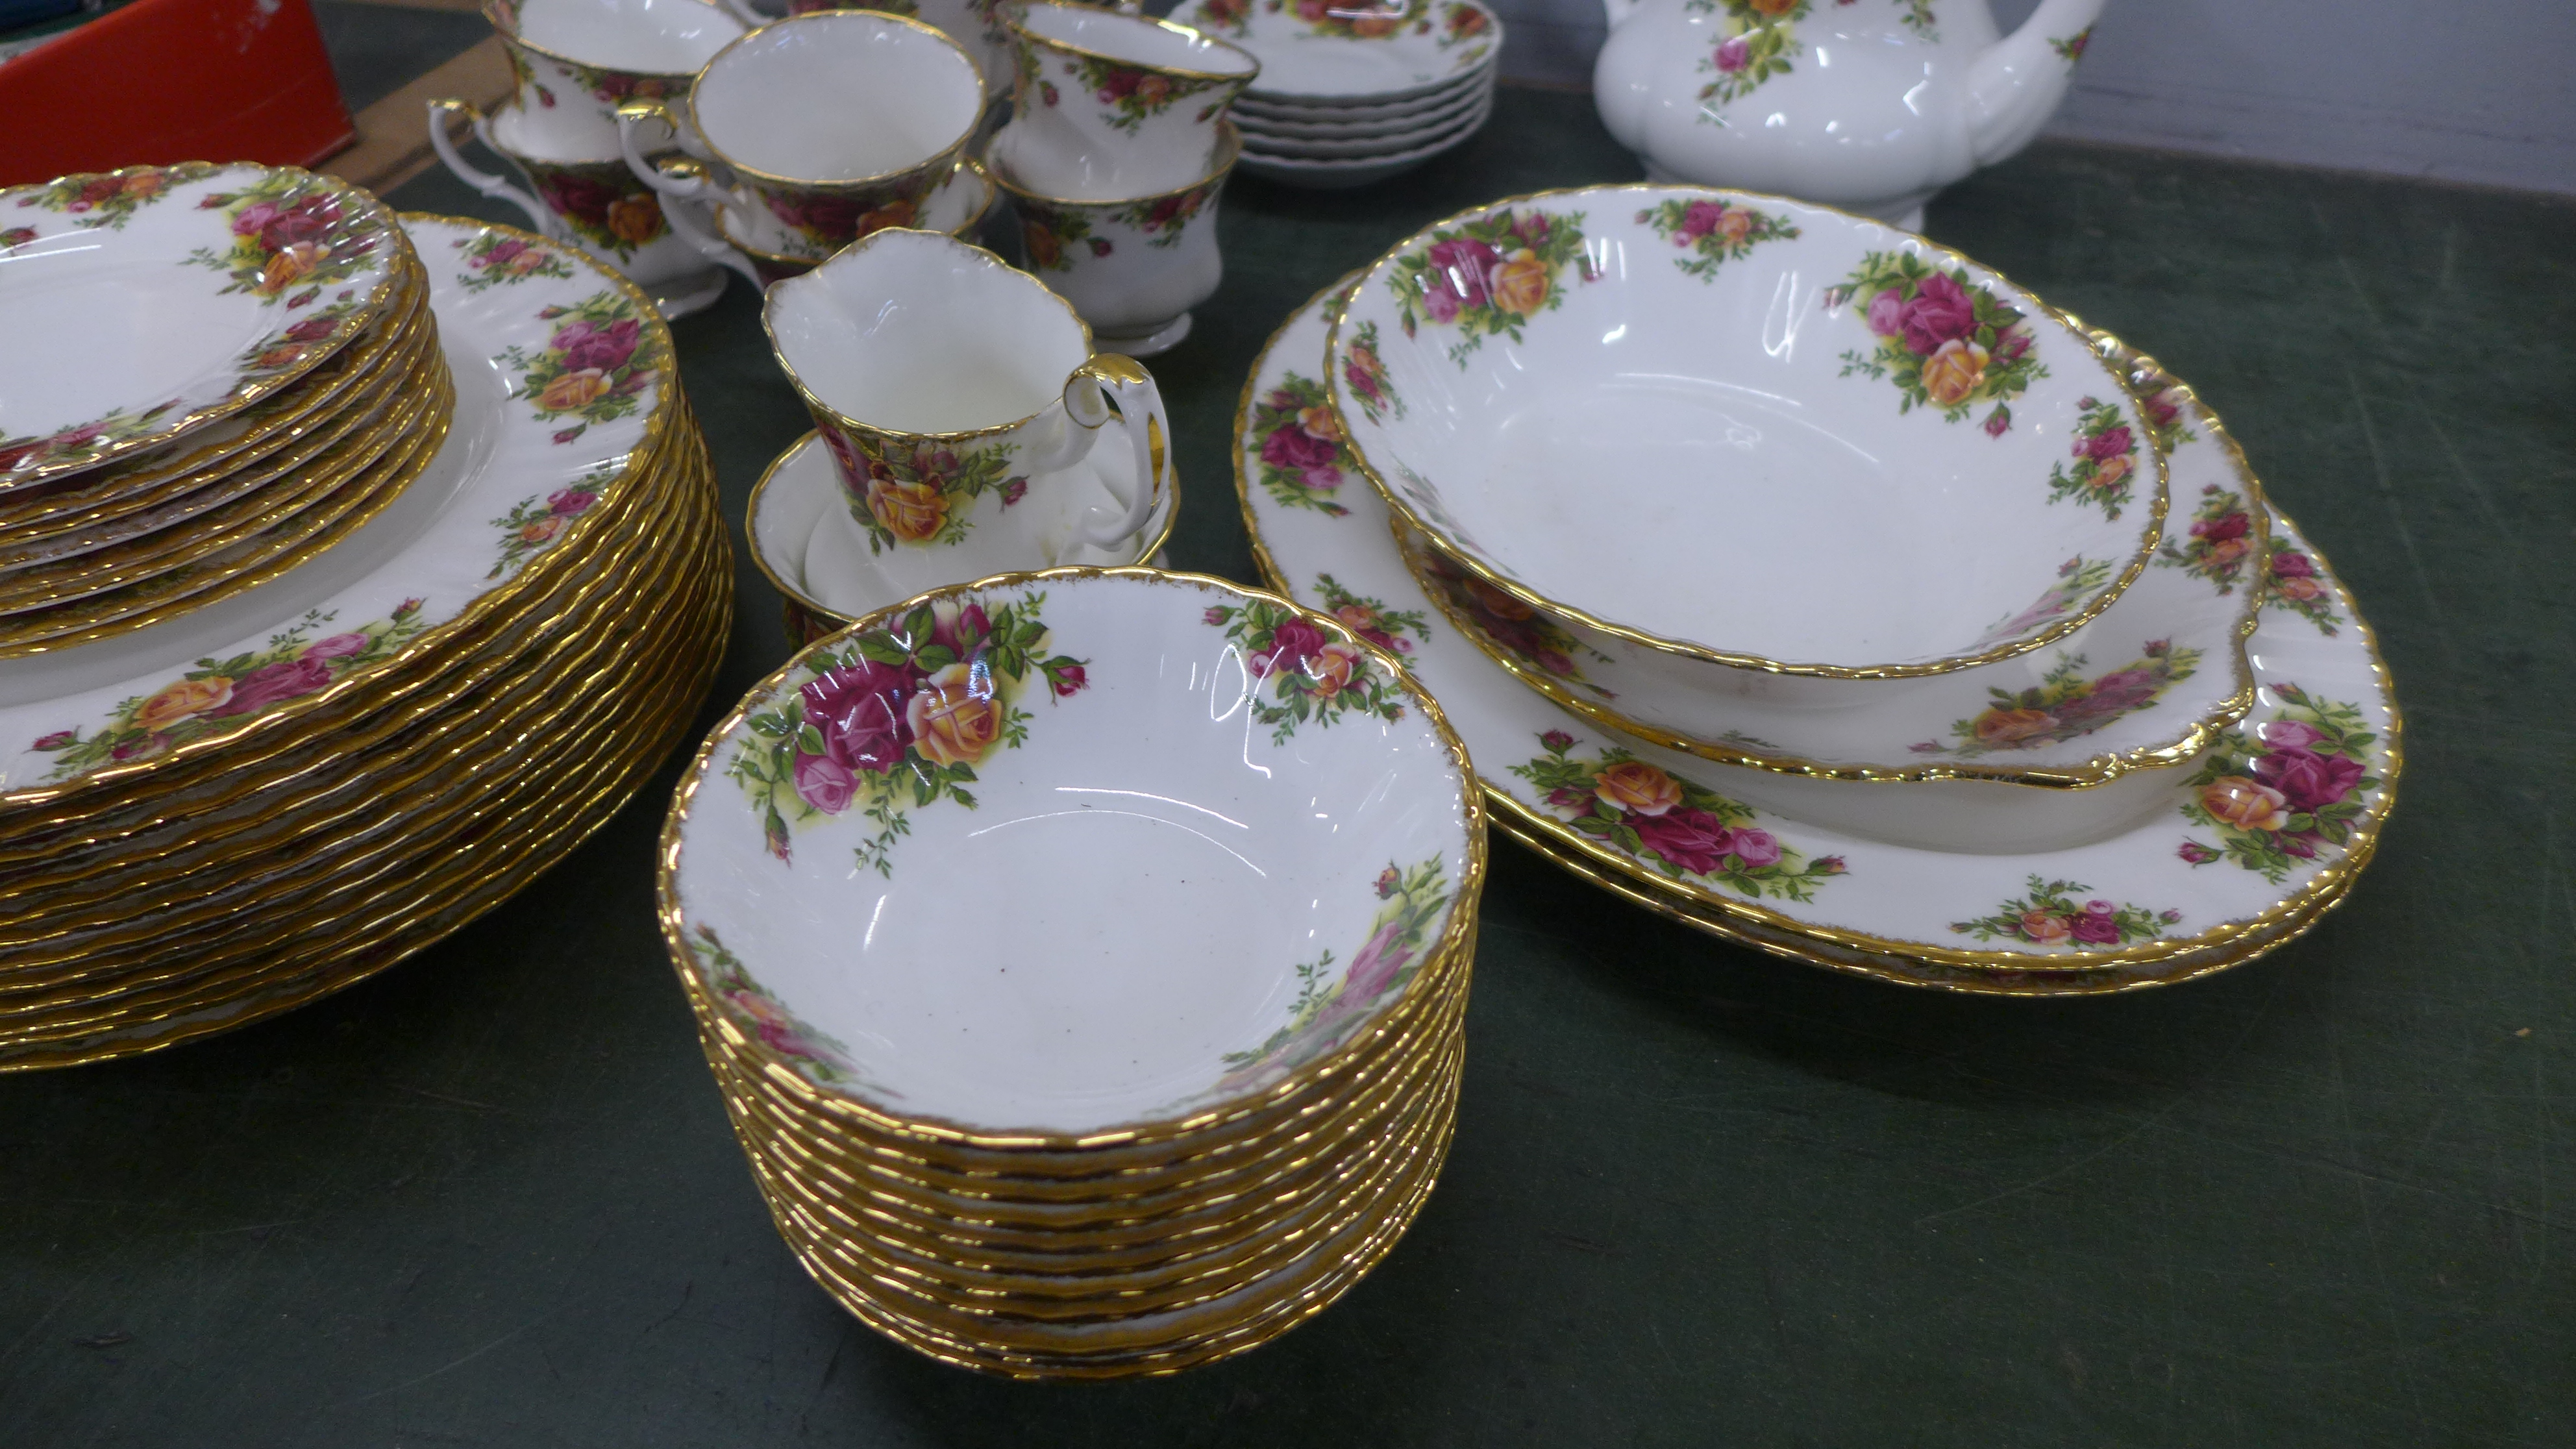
(218, 372)
(1351, 95)
(1083, 1015)
(2055, 704)
(239, 808)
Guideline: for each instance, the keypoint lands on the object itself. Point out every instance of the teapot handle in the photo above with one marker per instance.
(540, 219)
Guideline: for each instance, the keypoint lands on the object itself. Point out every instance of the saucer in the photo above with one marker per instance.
(1319, 54)
(2155, 876)
(800, 530)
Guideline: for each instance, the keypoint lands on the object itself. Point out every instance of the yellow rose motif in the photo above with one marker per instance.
(1497, 603)
(910, 511)
(899, 213)
(1319, 420)
(2225, 551)
(179, 700)
(1044, 250)
(1954, 371)
(635, 220)
(2297, 588)
(1332, 668)
(2110, 471)
(1520, 285)
(573, 390)
(2245, 804)
(2012, 726)
(288, 267)
(1637, 787)
(145, 184)
(955, 718)
(2045, 927)
(1772, 7)
(543, 529)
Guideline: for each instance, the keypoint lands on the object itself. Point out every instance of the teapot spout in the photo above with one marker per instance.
(2016, 85)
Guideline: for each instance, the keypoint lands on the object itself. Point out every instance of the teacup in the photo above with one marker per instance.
(837, 123)
(804, 543)
(971, 23)
(1133, 269)
(774, 253)
(579, 60)
(1110, 105)
(597, 205)
(956, 393)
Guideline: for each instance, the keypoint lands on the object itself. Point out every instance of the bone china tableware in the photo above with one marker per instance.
(2159, 876)
(803, 543)
(579, 60)
(194, 291)
(1723, 372)
(599, 205)
(1770, 97)
(1190, 1073)
(971, 23)
(835, 123)
(956, 394)
(1318, 54)
(1135, 268)
(1111, 106)
(773, 253)
(253, 803)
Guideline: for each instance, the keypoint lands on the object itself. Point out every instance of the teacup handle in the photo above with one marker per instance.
(679, 183)
(543, 220)
(1107, 378)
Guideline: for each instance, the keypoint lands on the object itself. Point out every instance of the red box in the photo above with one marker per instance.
(173, 80)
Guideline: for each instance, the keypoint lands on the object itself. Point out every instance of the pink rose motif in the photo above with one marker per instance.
(1998, 422)
(1467, 265)
(1886, 313)
(2292, 564)
(1941, 312)
(567, 501)
(2195, 853)
(273, 684)
(2291, 734)
(587, 345)
(2100, 907)
(2307, 780)
(959, 630)
(1292, 447)
(1214, 616)
(142, 749)
(1291, 645)
(312, 329)
(501, 252)
(824, 783)
(1756, 848)
(2113, 442)
(338, 646)
(1532, 229)
(1067, 680)
(1373, 969)
(1554, 661)
(1687, 836)
(1440, 304)
(858, 709)
(2096, 930)
(1830, 865)
(1733, 54)
(2010, 342)
(2221, 530)
(2302, 846)
(59, 739)
(1557, 740)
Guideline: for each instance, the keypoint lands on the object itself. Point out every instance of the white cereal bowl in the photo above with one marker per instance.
(1075, 857)
(1770, 447)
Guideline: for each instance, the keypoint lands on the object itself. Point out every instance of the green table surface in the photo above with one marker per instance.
(1698, 1196)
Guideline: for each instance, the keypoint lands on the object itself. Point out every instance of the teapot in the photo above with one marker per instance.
(1870, 105)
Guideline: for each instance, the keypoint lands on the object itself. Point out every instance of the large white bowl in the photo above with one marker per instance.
(1771, 445)
(1067, 852)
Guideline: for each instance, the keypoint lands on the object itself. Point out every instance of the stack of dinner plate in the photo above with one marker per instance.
(267, 795)
(1907, 628)
(1350, 94)
(215, 373)
(1082, 1015)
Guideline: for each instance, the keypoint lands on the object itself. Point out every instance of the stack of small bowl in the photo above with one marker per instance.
(1349, 95)
(222, 371)
(1083, 1014)
(256, 801)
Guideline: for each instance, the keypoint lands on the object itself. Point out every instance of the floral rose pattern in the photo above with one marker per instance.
(1234, 17)
(219, 696)
(1945, 341)
(1365, 373)
(897, 719)
(1329, 1005)
(2167, 404)
(1757, 46)
(920, 494)
(1490, 275)
(537, 520)
(1371, 619)
(2048, 914)
(2295, 583)
(1678, 826)
(2065, 705)
(1363, 20)
(820, 1059)
(2221, 542)
(1498, 619)
(2281, 796)
(110, 199)
(1300, 673)
(1300, 456)
(1128, 95)
(2071, 49)
(1049, 234)
(2076, 578)
(493, 260)
(1917, 17)
(2105, 460)
(1712, 231)
(605, 206)
(1163, 218)
(830, 220)
(593, 369)
(289, 235)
